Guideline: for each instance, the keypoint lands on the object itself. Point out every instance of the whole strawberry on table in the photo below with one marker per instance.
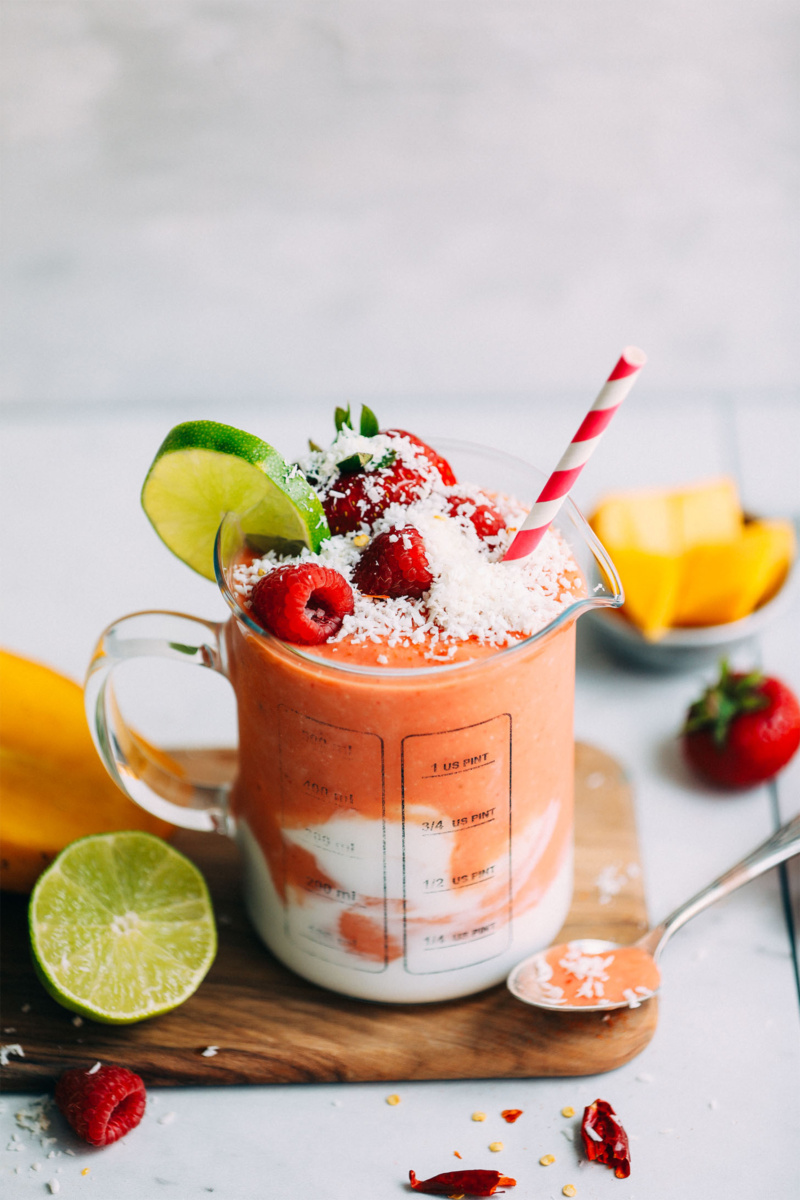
(743, 729)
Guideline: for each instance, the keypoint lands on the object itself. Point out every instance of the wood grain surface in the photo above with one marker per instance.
(271, 1026)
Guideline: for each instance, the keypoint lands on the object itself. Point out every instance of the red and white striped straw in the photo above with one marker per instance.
(577, 453)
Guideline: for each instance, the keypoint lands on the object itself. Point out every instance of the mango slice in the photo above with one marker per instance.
(783, 548)
(725, 583)
(651, 583)
(53, 786)
(687, 557)
(710, 513)
(645, 541)
(645, 521)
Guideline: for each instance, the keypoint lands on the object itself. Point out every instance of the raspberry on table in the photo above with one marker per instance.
(439, 462)
(395, 564)
(101, 1105)
(304, 603)
(353, 500)
(487, 520)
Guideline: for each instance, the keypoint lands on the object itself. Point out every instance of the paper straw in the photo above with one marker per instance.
(577, 453)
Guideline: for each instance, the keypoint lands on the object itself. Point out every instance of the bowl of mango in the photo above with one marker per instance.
(699, 574)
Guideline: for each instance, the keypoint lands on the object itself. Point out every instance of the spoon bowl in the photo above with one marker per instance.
(594, 964)
(594, 971)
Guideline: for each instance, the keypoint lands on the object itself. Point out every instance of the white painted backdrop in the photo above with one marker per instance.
(270, 200)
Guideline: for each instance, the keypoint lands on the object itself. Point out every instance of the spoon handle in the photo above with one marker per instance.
(776, 849)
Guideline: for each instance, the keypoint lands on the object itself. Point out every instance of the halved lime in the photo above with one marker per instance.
(121, 927)
(204, 470)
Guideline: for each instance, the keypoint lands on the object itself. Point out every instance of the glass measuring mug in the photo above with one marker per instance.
(406, 832)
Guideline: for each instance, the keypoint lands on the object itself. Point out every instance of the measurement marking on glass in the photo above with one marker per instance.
(460, 771)
(429, 811)
(456, 828)
(332, 778)
(465, 941)
(458, 887)
(338, 853)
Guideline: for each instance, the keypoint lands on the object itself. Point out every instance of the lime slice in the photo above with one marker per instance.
(121, 927)
(204, 470)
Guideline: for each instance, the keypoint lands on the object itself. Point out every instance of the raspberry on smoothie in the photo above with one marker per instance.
(303, 604)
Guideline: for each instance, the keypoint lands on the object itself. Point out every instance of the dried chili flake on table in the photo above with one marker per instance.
(511, 1114)
(468, 1183)
(604, 1139)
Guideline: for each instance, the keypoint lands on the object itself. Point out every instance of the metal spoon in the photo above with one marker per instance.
(528, 979)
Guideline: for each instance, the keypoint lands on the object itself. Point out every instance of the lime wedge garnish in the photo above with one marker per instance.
(121, 927)
(204, 470)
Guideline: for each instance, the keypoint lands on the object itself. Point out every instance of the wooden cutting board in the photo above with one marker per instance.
(273, 1027)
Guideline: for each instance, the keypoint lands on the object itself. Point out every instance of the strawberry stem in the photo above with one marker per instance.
(724, 701)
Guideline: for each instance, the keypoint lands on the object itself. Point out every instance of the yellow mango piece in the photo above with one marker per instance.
(725, 583)
(657, 538)
(710, 513)
(642, 532)
(53, 786)
(783, 544)
(647, 521)
(651, 583)
(686, 557)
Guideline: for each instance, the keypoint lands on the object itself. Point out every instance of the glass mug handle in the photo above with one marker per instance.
(149, 776)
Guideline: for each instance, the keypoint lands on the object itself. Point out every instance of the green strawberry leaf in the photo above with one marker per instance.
(369, 422)
(343, 419)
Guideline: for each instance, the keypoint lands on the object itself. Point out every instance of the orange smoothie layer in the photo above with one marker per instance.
(414, 656)
(383, 804)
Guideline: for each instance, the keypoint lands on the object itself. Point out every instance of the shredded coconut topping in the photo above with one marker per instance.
(473, 594)
(384, 451)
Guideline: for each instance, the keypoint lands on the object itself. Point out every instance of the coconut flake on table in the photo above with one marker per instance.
(473, 595)
(34, 1118)
(7, 1051)
(612, 879)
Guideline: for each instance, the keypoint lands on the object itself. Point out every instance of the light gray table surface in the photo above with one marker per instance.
(711, 1105)
(458, 212)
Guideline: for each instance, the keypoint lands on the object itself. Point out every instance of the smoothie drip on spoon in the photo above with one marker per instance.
(570, 974)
